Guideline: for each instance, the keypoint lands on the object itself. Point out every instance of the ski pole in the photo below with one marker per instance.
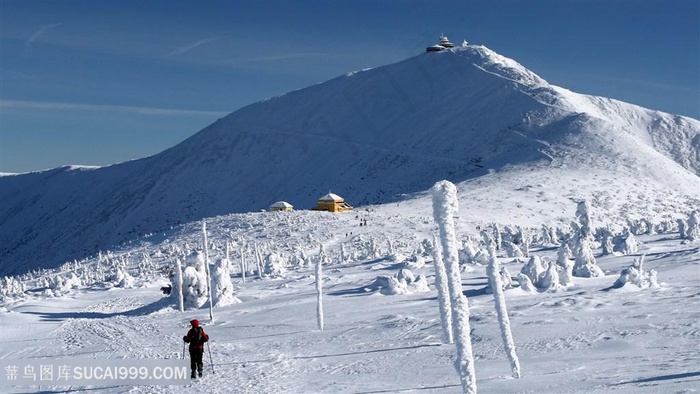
(210, 360)
(183, 349)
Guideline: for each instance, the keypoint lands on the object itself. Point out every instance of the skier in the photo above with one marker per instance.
(196, 338)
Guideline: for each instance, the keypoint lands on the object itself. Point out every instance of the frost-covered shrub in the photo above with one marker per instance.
(512, 250)
(12, 287)
(627, 243)
(467, 253)
(403, 282)
(548, 276)
(605, 236)
(526, 284)
(506, 280)
(415, 261)
(62, 284)
(550, 279)
(635, 275)
(565, 270)
(549, 236)
(122, 279)
(640, 227)
(275, 265)
(533, 270)
(564, 253)
(665, 227)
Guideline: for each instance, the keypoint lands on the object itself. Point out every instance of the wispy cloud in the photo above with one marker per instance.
(189, 47)
(37, 34)
(285, 57)
(18, 104)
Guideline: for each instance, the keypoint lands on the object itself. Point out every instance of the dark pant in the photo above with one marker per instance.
(196, 361)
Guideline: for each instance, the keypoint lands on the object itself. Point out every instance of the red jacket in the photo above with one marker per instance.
(194, 338)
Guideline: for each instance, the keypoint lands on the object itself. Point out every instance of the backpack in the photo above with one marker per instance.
(198, 336)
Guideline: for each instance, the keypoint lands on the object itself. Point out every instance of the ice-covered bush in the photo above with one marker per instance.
(533, 269)
(403, 282)
(513, 250)
(275, 265)
(550, 276)
(635, 275)
(122, 279)
(627, 243)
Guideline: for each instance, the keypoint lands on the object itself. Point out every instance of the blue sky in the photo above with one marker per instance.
(99, 82)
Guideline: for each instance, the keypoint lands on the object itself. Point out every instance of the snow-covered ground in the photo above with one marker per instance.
(593, 337)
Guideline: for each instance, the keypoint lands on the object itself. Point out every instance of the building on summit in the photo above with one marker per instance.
(441, 46)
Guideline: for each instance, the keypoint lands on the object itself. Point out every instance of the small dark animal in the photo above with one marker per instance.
(166, 289)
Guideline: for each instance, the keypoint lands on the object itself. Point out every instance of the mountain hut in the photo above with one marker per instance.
(332, 203)
(281, 206)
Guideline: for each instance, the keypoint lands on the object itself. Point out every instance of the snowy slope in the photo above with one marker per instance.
(590, 338)
(375, 136)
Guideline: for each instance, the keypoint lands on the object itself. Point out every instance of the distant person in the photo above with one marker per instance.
(196, 338)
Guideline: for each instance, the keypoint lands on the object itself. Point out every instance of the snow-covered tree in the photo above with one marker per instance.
(445, 206)
(258, 261)
(467, 253)
(497, 236)
(585, 264)
(222, 288)
(564, 253)
(584, 218)
(275, 266)
(526, 284)
(506, 280)
(442, 289)
(208, 272)
(534, 269)
(122, 278)
(549, 236)
(513, 250)
(243, 263)
(682, 226)
(194, 281)
(319, 287)
(525, 242)
(606, 238)
(629, 243)
(493, 273)
(176, 289)
(693, 231)
(550, 279)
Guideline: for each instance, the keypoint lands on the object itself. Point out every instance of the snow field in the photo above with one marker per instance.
(589, 338)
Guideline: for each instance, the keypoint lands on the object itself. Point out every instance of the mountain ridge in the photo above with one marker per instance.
(374, 136)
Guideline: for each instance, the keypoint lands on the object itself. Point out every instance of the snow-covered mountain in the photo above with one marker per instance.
(374, 136)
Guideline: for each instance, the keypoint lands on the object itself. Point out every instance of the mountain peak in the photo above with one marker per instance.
(492, 62)
(466, 114)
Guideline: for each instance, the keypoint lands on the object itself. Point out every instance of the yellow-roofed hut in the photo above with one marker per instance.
(332, 203)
